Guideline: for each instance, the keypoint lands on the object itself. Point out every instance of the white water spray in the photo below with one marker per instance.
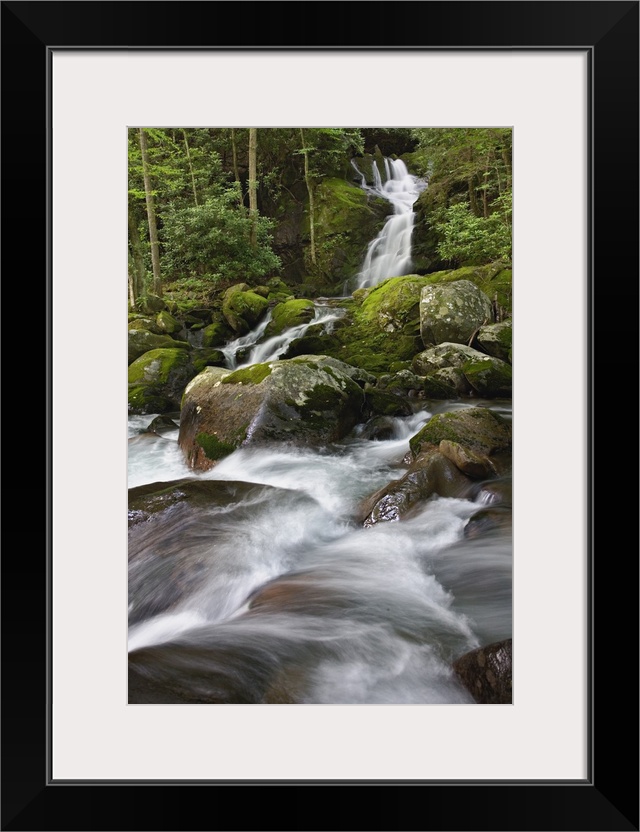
(389, 254)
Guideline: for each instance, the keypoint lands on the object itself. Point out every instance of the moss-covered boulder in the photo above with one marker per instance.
(431, 473)
(150, 304)
(157, 380)
(487, 673)
(478, 429)
(452, 312)
(496, 340)
(242, 308)
(144, 322)
(205, 357)
(489, 377)
(168, 323)
(141, 341)
(445, 355)
(402, 383)
(216, 334)
(305, 400)
(289, 314)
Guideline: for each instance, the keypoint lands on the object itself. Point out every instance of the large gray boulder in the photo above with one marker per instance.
(307, 400)
(452, 312)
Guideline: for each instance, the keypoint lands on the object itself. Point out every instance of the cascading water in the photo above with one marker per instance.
(272, 348)
(389, 254)
(281, 597)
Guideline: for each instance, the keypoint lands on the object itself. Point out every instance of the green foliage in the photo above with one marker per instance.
(213, 238)
(467, 238)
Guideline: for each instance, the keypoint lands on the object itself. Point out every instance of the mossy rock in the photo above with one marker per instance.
(243, 309)
(346, 220)
(150, 304)
(490, 377)
(452, 312)
(216, 334)
(307, 400)
(478, 428)
(167, 323)
(496, 340)
(436, 389)
(387, 404)
(444, 355)
(164, 373)
(206, 357)
(141, 341)
(289, 314)
(145, 323)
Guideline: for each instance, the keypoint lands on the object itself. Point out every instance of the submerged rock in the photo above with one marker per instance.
(431, 473)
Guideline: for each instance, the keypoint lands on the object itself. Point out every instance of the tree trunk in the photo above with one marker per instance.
(309, 184)
(236, 174)
(193, 179)
(151, 216)
(253, 185)
(506, 158)
(136, 268)
(473, 202)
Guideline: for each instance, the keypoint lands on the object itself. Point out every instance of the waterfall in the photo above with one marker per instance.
(389, 254)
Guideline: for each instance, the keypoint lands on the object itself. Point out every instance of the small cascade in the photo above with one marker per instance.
(272, 348)
(231, 350)
(389, 254)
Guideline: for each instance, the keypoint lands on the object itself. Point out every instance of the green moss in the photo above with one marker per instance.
(248, 375)
(156, 365)
(290, 313)
(143, 398)
(213, 447)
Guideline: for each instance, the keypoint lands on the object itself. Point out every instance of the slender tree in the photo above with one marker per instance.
(253, 184)
(151, 214)
(193, 178)
(309, 184)
(136, 260)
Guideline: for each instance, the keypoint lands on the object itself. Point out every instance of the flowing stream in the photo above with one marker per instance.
(295, 601)
(389, 254)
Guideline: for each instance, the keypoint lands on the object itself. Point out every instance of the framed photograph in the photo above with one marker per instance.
(563, 79)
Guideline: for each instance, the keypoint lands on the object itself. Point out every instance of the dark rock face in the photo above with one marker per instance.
(487, 674)
(430, 474)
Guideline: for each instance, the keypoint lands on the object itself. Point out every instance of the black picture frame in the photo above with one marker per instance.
(608, 798)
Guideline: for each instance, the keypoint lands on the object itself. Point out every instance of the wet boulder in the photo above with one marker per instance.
(487, 673)
(157, 380)
(479, 429)
(185, 533)
(452, 312)
(431, 473)
(288, 314)
(489, 520)
(307, 400)
(216, 334)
